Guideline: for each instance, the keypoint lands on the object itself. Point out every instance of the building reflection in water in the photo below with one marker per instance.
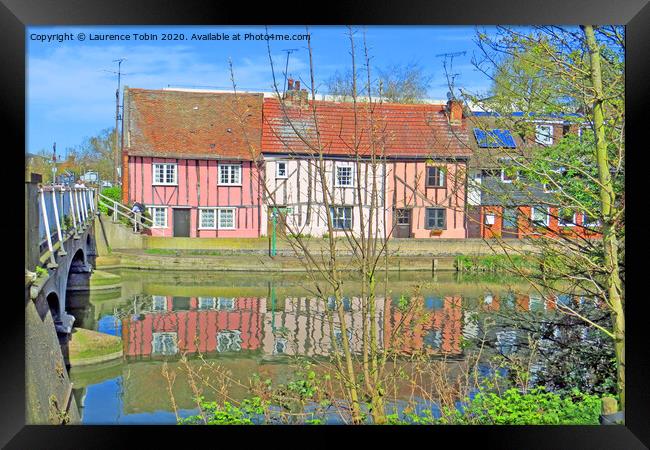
(299, 325)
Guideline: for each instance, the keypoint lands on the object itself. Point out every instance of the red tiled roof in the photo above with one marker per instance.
(192, 124)
(402, 130)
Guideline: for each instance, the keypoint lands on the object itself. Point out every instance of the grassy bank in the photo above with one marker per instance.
(495, 263)
(88, 347)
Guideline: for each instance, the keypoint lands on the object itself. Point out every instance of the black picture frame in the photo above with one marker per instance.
(17, 14)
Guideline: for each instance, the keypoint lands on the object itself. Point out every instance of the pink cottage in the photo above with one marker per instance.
(191, 158)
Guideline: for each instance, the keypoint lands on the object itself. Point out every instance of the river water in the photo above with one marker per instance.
(260, 324)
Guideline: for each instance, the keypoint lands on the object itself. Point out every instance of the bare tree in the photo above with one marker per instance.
(397, 83)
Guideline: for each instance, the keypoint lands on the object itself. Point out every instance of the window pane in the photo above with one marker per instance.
(225, 303)
(341, 217)
(435, 177)
(206, 302)
(159, 217)
(566, 218)
(229, 341)
(344, 176)
(207, 218)
(540, 215)
(544, 134)
(159, 303)
(403, 217)
(510, 218)
(164, 173)
(226, 218)
(223, 174)
(435, 218)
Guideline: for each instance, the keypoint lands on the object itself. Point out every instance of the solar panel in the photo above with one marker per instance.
(494, 138)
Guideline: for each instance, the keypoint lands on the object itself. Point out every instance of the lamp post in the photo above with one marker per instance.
(274, 222)
(54, 164)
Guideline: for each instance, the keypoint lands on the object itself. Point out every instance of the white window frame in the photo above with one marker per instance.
(234, 218)
(217, 217)
(338, 335)
(536, 299)
(214, 219)
(211, 301)
(589, 225)
(334, 213)
(164, 172)
(158, 298)
(338, 166)
(562, 223)
(544, 137)
(283, 342)
(505, 180)
(234, 336)
(162, 335)
(436, 340)
(277, 169)
(153, 216)
(229, 168)
(223, 305)
(546, 221)
(490, 218)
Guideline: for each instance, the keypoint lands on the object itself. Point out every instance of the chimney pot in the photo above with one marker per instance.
(297, 85)
(290, 84)
(455, 108)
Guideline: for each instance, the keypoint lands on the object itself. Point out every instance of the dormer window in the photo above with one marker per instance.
(544, 134)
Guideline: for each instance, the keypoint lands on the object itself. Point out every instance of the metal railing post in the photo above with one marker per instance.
(72, 211)
(82, 217)
(114, 211)
(83, 202)
(52, 263)
(58, 222)
(77, 208)
(91, 198)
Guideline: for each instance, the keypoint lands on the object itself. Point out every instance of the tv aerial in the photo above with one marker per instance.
(451, 77)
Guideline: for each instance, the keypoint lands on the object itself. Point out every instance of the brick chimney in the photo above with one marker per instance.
(455, 110)
(294, 95)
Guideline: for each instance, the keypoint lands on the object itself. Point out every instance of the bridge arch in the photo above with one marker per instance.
(54, 305)
(78, 262)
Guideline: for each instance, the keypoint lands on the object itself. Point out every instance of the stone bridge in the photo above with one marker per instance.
(60, 251)
(60, 248)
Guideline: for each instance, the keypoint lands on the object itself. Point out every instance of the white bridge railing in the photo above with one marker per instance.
(119, 210)
(64, 212)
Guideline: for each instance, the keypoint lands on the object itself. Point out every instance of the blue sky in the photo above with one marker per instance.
(71, 92)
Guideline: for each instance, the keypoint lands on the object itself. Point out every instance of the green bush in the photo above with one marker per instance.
(228, 414)
(114, 193)
(537, 407)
